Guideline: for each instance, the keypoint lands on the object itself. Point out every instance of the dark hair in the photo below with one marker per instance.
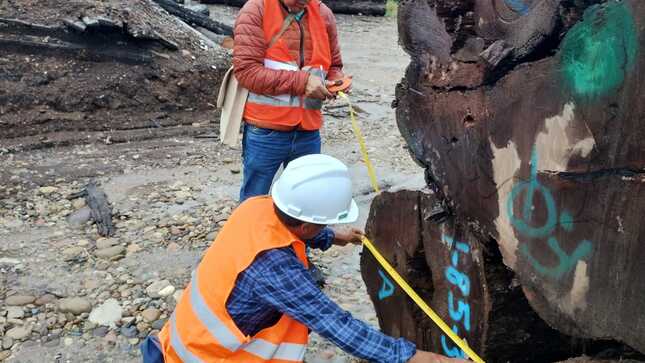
(286, 219)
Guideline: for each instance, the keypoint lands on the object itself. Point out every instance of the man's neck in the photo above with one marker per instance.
(298, 13)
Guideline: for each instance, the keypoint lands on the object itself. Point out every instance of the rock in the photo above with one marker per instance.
(18, 333)
(150, 315)
(157, 325)
(80, 217)
(45, 299)
(7, 343)
(19, 300)
(133, 248)
(15, 312)
(110, 337)
(143, 328)
(78, 203)
(9, 261)
(154, 289)
(173, 247)
(167, 291)
(211, 236)
(183, 194)
(109, 253)
(107, 314)
(4, 355)
(47, 190)
(52, 343)
(235, 169)
(68, 341)
(74, 305)
(101, 331)
(129, 331)
(71, 253)
(104, 243)
(177, 295)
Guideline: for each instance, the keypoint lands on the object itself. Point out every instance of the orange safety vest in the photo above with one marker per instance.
(201, 329)
(290, 110)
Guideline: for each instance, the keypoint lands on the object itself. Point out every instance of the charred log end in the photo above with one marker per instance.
(101, 210)
(462, 276)
(400, 245)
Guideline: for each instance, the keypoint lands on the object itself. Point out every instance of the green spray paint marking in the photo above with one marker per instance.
(599, 51)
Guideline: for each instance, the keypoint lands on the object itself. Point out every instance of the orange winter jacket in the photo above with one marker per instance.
(250, 54)
(201, 329)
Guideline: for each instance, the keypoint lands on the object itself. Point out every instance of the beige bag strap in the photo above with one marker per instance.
(285, 25)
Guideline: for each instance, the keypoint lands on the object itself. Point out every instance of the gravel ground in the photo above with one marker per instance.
(70, 296)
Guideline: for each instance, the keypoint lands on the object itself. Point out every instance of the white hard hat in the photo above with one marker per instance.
(317, 189)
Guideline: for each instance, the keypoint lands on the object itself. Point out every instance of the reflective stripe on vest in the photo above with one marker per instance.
(260, 347)
(287, 100)
(178, 346)
(213, 324)
(267, 350)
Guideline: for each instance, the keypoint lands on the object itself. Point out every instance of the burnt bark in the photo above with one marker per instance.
(105, 73)
(101, 210)
(527, 119)
(193, 17)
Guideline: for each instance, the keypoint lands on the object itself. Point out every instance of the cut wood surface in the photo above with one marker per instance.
(462, 279)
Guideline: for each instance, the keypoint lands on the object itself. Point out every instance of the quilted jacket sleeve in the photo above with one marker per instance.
(336, 68)
(248, 57)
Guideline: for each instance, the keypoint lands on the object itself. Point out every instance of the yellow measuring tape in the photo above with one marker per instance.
(361, 143)
(386, 265)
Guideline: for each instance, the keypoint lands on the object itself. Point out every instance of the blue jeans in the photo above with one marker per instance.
(151, 350)
(264, 150)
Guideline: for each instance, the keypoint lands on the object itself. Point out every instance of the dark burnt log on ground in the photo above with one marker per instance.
(527, 116)
(100, 208)
(364, 7)
(461, 278)
(193, 17)
(105, 72)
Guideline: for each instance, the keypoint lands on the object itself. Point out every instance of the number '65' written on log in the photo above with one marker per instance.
(458, 309)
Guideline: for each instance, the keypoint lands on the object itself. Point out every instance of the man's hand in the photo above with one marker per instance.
(427, 357)
(346, 236)
(316, 88)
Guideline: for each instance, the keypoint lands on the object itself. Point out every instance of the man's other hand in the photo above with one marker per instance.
(316, 89)
(345, 236)
(427, 357)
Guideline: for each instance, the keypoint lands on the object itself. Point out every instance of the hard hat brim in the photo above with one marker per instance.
(351, 217)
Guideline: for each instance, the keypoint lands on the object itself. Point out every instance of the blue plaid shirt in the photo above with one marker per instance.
(277, 282)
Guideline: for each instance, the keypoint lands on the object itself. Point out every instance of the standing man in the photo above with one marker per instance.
(285, 50)
(251, 298)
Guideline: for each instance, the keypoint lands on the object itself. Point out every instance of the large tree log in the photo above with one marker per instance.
(364, 7)
(527, 116)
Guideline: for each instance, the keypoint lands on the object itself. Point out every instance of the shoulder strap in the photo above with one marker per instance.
(285, 25)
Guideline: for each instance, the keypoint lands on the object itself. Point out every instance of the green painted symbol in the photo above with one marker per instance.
(598, 52)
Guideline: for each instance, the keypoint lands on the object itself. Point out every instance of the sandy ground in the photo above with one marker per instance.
(171, 196)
